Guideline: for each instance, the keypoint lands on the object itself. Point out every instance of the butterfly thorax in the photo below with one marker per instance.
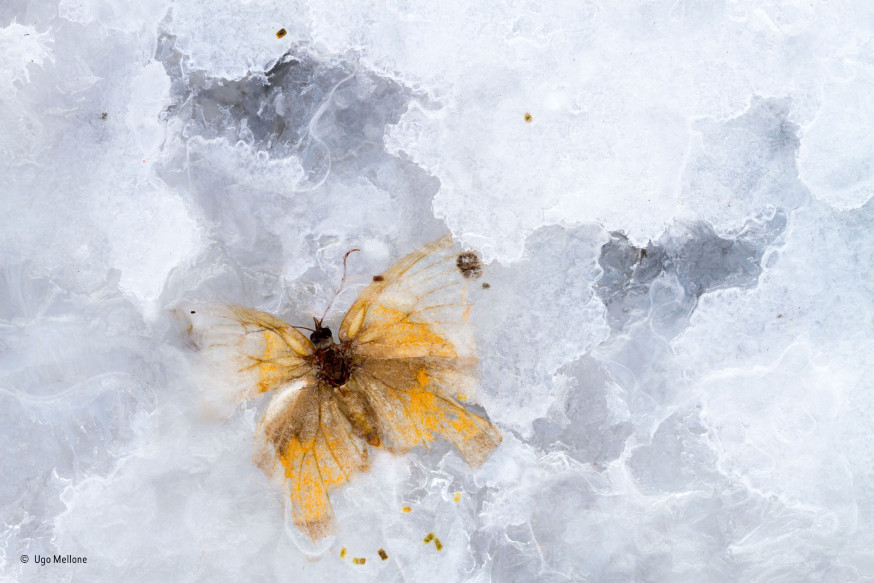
(334, 365)
(333, 362)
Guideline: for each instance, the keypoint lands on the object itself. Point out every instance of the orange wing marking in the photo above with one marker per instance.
(318, 452)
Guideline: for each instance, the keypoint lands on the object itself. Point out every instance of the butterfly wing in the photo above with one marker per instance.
(414, 352)
(262, 349)
(310, 446)
(418, 308)
(304, 440)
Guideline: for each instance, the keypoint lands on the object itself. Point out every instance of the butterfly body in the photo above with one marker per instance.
(404, 360)
(333, 362)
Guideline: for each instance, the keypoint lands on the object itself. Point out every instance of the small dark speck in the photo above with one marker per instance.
(382, 554)
(193, 312)
(281, 33)
(779, 315)
(378, 278)
(486, 286)
(104, 115)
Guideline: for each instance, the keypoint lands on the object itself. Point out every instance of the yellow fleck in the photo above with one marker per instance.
(281, 33)
(438, 544)
(343, 553)
(406, 509)
(382, 554)
(457, 497)
(359, 560)
(528, 118)
(429, 538)
(461, 397)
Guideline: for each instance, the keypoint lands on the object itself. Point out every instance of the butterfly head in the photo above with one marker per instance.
(321, 336)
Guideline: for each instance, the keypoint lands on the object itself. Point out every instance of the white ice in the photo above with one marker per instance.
(676, 342)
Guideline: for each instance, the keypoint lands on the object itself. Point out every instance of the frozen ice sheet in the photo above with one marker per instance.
(675, 201)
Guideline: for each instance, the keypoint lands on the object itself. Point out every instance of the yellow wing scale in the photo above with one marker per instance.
(394, 335)
(418, 413)
(442, 416)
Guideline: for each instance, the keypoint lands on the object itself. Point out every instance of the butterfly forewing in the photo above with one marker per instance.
(272, 350)
(245, 352)
(417, 308)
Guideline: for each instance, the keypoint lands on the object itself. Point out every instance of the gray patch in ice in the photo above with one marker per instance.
(695, 257)
(628, 273)
(323, 111)
(281, 110)
(323, 116)
(679, 457)
(751, 157)
(583, 424)
(748, 163)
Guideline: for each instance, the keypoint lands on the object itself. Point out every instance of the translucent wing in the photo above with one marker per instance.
(261, 350)
(417, 308)
(415, 355)
(414, 408)
(304, 438)
(309, 444)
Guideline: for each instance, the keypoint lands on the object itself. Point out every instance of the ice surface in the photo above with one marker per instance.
(676, 336)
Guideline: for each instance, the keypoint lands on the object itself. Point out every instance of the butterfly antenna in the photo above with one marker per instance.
(339, 289)
(304, 328)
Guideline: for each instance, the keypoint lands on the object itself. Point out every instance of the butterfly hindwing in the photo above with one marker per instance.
(308, 443)
(415, 408)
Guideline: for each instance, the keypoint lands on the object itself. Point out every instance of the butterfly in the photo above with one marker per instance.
(403, 363)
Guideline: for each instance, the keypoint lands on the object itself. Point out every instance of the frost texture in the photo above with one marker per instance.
(675, 336)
